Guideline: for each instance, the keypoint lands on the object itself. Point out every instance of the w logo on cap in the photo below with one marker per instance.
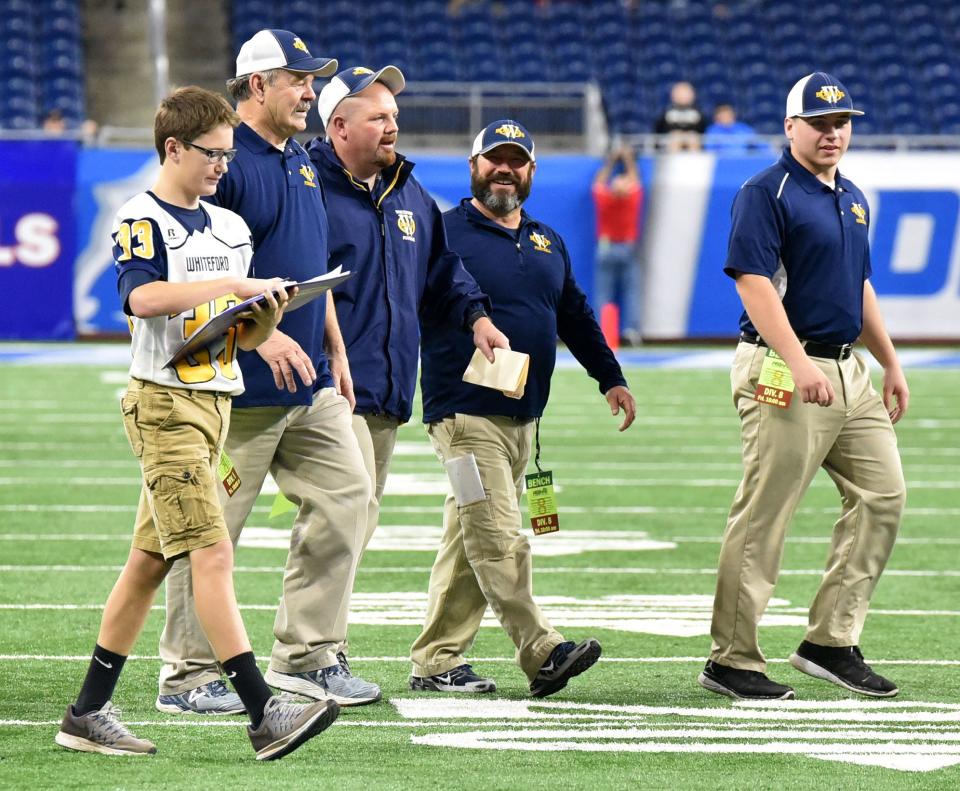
(830, 93)
(511, 131)
(361, 70)
(298, 44)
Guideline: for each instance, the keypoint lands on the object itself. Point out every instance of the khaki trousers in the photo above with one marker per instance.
(377, 436)
(483, 558)
(313, 455)
(854, 441)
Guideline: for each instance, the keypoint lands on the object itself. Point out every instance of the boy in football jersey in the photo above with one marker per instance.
(179, 262)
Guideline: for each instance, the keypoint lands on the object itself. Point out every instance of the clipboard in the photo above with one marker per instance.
(507, 373)
(215, 327)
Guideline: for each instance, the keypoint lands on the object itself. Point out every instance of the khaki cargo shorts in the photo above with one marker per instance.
(177, 435)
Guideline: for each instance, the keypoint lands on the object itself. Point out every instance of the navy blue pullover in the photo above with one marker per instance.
(393, 239)
(529, 278)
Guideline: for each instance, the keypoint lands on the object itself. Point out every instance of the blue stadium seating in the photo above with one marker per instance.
(898, 60)
(41, 62)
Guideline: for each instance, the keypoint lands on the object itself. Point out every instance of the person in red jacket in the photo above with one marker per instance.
(618, 203)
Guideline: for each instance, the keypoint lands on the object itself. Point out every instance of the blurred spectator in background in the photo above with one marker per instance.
(618, 203)
(728, 135)
(682, 120)
(89, 131)
(54, 123)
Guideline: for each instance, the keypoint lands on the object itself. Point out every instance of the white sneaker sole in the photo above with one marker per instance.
(470, 689)
(715, 686)
(86, 746)
(172, 708)
(813, 669)
(309, 689)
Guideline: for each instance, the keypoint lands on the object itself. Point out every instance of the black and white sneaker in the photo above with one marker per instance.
(459, 679)
(742, 684)
(842, 666)
(565, 661)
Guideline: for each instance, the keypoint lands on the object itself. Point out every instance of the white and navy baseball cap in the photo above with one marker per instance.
(280, 49)
(350, 82)
(504, 132)
(819, 94)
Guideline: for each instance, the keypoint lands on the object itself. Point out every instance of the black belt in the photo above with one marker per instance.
(813, 348)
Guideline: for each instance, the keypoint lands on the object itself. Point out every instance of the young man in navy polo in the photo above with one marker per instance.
(484, 558)
(294, 420)
(800, 256)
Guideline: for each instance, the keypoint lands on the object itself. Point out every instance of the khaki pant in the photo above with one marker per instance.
(483, 558)
(854, 441)
(376, 435)
(312, 453)
(176, 435)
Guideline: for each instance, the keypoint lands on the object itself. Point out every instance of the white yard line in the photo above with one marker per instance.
(628, 660)
(640, 571)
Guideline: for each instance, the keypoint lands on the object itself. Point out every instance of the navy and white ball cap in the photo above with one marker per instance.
(280, 49)
(350, 82)
(504, 132)
(819, 94)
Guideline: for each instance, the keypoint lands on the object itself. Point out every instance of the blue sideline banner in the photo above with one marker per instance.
(37, 239)
(107, 179)
(914, 202)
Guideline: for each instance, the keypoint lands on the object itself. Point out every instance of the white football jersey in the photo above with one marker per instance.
(224, 249)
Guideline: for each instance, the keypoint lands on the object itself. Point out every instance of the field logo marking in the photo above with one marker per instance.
(907, 737)
(426, 538)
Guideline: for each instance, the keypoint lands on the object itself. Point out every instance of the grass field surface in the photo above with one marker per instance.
(633, 565)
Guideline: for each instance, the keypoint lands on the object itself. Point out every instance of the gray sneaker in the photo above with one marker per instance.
(286, 725)
(100, 732)
(212, 698)
(327, 683)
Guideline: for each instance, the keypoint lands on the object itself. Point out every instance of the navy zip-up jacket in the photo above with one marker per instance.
(393, 239)
(529, 278)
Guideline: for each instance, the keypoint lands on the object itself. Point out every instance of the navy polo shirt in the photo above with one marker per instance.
(280, 197)
(529, 279)
(791, 227)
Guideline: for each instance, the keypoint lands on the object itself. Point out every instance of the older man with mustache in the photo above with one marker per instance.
(294, 418)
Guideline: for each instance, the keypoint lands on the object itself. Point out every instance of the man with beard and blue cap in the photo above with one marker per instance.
(484, 558)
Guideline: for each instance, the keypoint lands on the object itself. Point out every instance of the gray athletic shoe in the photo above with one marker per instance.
(100, 732)
(212, 698)
(286, 725)
(565, 661)
(327, 683)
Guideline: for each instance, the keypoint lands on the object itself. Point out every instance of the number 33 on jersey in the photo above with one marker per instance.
(154, 240)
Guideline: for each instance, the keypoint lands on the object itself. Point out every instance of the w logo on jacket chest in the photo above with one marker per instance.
(406, 224)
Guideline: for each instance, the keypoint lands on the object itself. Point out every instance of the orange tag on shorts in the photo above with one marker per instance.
(775, 385)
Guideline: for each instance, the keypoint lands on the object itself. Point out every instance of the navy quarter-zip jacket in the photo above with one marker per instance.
(529, 278)
(393, 239)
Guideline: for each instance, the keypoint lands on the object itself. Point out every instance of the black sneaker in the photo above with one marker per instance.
(742, 684)
(459, 679)
(565, 661)
(842, 666)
